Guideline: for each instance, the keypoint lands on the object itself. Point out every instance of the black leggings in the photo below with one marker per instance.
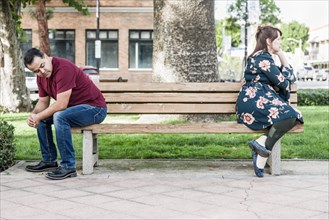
(277, 131)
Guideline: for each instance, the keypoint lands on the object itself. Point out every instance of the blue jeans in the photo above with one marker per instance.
(75, 116)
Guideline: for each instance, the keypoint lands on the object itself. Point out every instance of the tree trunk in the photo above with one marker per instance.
(184, 44)
(14, 96)
(42, 20)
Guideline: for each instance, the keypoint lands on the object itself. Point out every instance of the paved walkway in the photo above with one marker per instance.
(134, 189)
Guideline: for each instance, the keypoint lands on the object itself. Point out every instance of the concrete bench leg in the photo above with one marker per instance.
(87, 153)
(95, 149)
(275, 159)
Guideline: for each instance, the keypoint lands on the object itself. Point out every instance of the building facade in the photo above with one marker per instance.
(318, 46)
(125, 32)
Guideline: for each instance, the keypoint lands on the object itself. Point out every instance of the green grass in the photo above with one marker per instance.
(312, 144)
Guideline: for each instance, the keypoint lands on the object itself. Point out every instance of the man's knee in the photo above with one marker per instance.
(59, 117)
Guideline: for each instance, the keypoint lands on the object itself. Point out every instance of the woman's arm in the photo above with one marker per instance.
(286, 69)
(274, 74)
(266, 64)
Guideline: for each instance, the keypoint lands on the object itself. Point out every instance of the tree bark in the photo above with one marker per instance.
(184, 44)
(42, 20)
(14, 95)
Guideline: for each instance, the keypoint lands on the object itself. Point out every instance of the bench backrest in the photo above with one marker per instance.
(173, 98)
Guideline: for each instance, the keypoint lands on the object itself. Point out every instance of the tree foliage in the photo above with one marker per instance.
(42, 17)
(296, 31)
(269, 14)
(14, 95)
(79, 5)
(7, 145)
(229, 27)
(15, 8)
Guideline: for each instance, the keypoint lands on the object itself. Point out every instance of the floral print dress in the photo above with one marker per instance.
(258, 105)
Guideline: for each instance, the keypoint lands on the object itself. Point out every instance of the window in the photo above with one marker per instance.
(62, 43)
(27, 43)
(140, 49)
(109, 48)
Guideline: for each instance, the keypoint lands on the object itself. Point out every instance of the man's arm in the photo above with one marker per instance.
(41, 105)
(60, 104)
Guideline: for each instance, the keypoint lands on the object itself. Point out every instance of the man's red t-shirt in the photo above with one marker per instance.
(65, 76)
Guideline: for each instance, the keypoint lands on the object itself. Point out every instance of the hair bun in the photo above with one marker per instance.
(260, 28)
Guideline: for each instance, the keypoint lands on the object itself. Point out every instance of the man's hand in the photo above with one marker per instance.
(33, 120)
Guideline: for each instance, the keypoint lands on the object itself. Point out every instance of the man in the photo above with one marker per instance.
(78, 102)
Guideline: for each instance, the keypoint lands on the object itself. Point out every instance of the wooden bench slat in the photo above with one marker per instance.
(165, 108)
(175, 97)
(177, 87)
(189, 128)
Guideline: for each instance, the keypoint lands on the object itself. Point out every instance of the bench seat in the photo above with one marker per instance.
(171, 98)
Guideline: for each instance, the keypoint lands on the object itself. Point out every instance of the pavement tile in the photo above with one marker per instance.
(272, 188)
(221, 200)
(58, 205)
(215, 189)
(324, 216)
(15, 194)
(93, 199)
(44, 188)
(280, 199)
(322, 188)
(8, 205)
(85, 212)
(226, 213)
(288, 212)
(260, 206)
(21, 184)
(32, 200)
(21, 212)
(314, 205)
(47, 216)
(127, 194)
(224, 190)
(100, 188)
(186, 206)
(139, 210)
(190, 194)
(306, 193)
(68, 193)
(160, 188)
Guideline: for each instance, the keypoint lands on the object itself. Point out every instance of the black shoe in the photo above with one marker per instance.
(259, 149)
(259, 172)
(61, 173)
(42, 166)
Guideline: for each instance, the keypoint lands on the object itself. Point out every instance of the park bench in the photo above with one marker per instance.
(170, 98)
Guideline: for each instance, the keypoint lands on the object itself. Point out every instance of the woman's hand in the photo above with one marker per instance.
(282, 57)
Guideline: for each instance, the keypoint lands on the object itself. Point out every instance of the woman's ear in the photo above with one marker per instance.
(268, 41)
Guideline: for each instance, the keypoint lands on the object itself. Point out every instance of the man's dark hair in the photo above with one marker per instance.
(30, 54)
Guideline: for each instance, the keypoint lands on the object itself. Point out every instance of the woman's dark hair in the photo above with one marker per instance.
(30, 54)
(263, 33)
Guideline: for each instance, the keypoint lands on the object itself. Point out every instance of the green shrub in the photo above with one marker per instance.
(308, 97)
(7, 153)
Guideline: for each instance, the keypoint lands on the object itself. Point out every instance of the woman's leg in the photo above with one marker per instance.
(277, 130)
(268, 140)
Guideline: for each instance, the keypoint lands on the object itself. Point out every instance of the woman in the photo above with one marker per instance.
(263, 101)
